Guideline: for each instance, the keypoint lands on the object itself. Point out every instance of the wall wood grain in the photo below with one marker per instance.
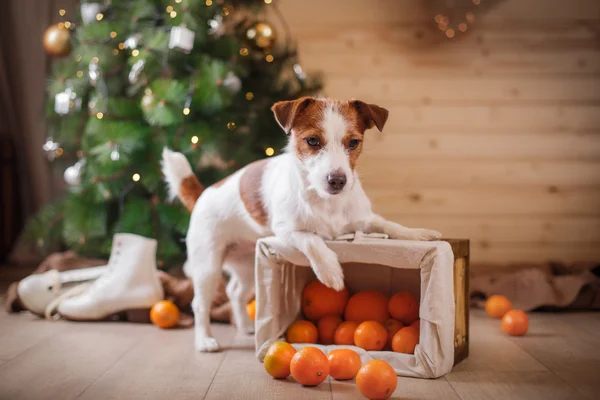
(493, 135)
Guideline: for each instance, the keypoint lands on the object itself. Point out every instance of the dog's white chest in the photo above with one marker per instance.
(326, 221)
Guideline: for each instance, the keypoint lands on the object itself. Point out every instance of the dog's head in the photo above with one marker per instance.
(326, 136)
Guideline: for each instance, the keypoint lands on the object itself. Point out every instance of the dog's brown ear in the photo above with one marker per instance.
(371, 114)
(286, 111)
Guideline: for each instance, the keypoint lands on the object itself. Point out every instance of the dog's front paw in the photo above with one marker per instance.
(427, 234)
(329, 271)
(333, 279)
(207, 344)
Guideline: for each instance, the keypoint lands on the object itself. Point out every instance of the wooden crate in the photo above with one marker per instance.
(387, 266)
(460, 248)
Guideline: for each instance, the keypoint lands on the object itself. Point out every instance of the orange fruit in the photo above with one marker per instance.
(344, 334)
(326, 327)
(417, 324)
(405, 340)
(376, 380)
(318, 301)
(404, 307)
(251, 309)
(309, 366)
(164, 314)
(302, 332)
(343, 364)
(370, 335)
(392, 326)
(367, 306)
(496, 306)
(278, 358)
(515, 323)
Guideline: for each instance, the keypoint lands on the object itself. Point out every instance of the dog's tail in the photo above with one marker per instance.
(180, 179)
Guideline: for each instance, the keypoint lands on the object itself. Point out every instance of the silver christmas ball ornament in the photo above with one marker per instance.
(72, 174)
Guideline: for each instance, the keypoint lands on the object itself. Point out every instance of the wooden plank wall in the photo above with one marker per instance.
(493, 136)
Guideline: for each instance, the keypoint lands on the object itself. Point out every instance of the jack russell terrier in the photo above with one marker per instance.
(309, 194)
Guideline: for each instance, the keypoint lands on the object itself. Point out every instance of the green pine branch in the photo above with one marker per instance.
(176, 99)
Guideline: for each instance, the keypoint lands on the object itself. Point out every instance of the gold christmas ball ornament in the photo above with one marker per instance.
(261, 35)
(57, 40)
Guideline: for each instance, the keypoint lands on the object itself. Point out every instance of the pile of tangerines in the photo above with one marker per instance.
(368, 320)
(514, 322)
(309, 366)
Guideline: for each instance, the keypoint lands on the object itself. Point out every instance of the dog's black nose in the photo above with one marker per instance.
(337, 181)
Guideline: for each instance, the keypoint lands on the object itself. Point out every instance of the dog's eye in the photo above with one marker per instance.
(312, 141)
(353, 143)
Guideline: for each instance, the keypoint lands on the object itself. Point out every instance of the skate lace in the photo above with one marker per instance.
(50, 312)
(89, 287)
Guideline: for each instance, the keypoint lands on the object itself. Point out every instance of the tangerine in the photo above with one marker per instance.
(376, 380)
(367, 306)
(417, 324)
(251, 309)
(302, 332)
(343, 364)
(164, 314)
(392, 326)
(371, 336)
(515, 323)
(405, 340)
(309, 366)
(278, 358)
(344, 334)
(497, 305)
(327, 327)
(404, 307)
(318, 301)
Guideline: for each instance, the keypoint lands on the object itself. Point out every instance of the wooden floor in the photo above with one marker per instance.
(558, 359)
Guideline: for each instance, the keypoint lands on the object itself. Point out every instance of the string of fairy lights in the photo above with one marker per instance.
(455, 20)
(258, 40)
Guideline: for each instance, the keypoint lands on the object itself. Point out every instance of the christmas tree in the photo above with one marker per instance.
(130, 77)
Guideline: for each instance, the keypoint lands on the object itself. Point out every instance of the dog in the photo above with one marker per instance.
(308, 194)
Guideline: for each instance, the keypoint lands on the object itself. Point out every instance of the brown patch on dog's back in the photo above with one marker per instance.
(189, 191)
(250, 191)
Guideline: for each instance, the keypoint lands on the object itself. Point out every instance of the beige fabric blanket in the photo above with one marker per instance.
(530, 287)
